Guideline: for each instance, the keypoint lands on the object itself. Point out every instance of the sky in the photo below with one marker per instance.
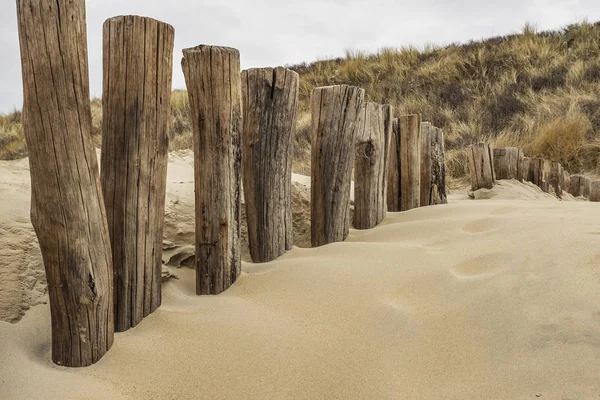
(284, 32)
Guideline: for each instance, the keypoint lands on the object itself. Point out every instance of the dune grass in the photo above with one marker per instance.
(536, 90)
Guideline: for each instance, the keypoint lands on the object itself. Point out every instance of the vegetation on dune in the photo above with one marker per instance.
(536, 90)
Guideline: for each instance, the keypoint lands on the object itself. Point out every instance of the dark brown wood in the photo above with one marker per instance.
(481, 166)
(405, 165)
(370, 180)
(67, 209)
(138, 66)
(595, 191)
(213, 79)
(335, 112)
(270, 106)
(507, 162)
(555, 178)
(433, 170)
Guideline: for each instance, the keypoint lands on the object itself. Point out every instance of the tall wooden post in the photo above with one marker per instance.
(507, 162)
(212, 75)
(67, 210)
(335, 111)
(433, 170)
(481, 166)
(138, 65)
(405, 165)
(270, 106)
(370, 165)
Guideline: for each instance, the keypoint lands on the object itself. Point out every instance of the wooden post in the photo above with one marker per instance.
(270, 106)
(426, 133)
(67, 210)
(565, 181)
(213, 79)
(335, 111)
(507, 162)
(595, 191)
(540, 173)
(555, 178)
(524, 168)
(481, 166)
(433, 170)
(138, 66)
(580, 186)
(370, 166)
(405, 165)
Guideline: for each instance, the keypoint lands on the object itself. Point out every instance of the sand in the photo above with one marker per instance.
(496, 298)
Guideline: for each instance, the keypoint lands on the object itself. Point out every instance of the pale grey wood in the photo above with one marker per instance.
(370, 180)
(335, 111)
(595, 191)
(433, 170)
(138, 66)
(507, 162)
(524, 169)
(213, 79)
(555, 178)
(67, 209)
(481, 166)
(270, 106)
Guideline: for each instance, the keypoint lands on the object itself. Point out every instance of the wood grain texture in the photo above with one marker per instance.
(393, 173)
(405, 151)
(580, 185)
(481, 166)
(213, 80)
(335, 111)
(555, 178)
(270, 106)
(67, 209)
(433, 170)
(524, 169)
(539, 173)
(370, 165)
(508, 162)
(138, 66)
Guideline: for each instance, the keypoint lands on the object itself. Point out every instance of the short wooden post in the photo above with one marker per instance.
(565, 181)
(507, 162)
(580, 186)
(67, 210)
(524, 168)
(595, 191)
(370, 165)
(540, 173)
(481, 166)
(138, 66)
(335, 112)
(270, 106)
(555, 178)
(405, 165)
(213, 79)
(433, 170)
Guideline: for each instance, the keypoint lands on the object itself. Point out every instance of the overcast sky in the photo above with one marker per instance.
(279, 32)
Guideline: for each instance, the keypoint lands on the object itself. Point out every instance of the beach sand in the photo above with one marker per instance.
(497, 298)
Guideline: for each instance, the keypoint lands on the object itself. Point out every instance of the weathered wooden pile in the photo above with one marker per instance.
(101, 234)
(486, 165)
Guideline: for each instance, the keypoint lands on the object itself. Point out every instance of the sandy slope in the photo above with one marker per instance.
(492, 299)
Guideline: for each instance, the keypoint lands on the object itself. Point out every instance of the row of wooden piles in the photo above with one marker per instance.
(487, 164)
(101, 234)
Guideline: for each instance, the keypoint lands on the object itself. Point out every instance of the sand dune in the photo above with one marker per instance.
(492, 299)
